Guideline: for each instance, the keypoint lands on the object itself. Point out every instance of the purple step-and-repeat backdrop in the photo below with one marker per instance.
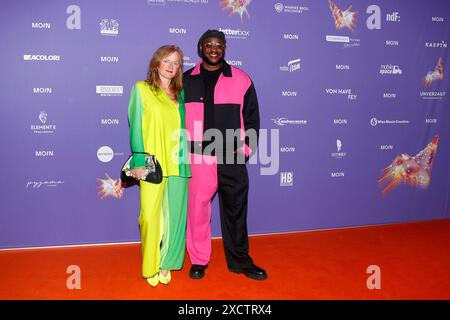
(355, 115)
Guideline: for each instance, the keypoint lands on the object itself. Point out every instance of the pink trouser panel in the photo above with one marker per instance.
(202, 187)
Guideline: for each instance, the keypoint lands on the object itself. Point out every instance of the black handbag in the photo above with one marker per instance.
(151, 164)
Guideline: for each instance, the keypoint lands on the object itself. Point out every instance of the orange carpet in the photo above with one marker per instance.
(414, 259)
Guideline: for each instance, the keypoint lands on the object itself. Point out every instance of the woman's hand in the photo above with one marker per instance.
(139, 173)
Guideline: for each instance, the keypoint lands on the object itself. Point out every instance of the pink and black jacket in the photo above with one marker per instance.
(233, 106)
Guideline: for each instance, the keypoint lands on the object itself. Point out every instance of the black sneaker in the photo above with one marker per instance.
(197, 271)
(253, 272)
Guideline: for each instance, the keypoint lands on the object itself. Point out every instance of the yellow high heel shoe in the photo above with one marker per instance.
(153, 281)
(165, 279)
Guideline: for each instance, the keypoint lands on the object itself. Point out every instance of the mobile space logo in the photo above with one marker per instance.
(390, 69)
(109, 27)
(236, 7)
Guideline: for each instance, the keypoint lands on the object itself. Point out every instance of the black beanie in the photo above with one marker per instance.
(211, 34)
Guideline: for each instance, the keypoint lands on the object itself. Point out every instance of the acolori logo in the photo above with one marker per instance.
(431, 121)
(41, 57)
(105, 154)
(109, 27)
(106, 91)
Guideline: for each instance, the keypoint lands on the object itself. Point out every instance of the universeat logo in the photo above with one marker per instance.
(436, 74)
(414, 171)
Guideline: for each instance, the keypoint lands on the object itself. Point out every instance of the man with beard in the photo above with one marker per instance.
(222, 122)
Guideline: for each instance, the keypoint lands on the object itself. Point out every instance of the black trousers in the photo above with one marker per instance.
(233, 186)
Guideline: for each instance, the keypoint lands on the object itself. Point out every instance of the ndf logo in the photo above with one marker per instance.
(286, 179)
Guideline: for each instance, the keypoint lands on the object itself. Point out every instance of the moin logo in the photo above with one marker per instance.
(41, 25)
(109, 59)
(42, 90)
(178, 30)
